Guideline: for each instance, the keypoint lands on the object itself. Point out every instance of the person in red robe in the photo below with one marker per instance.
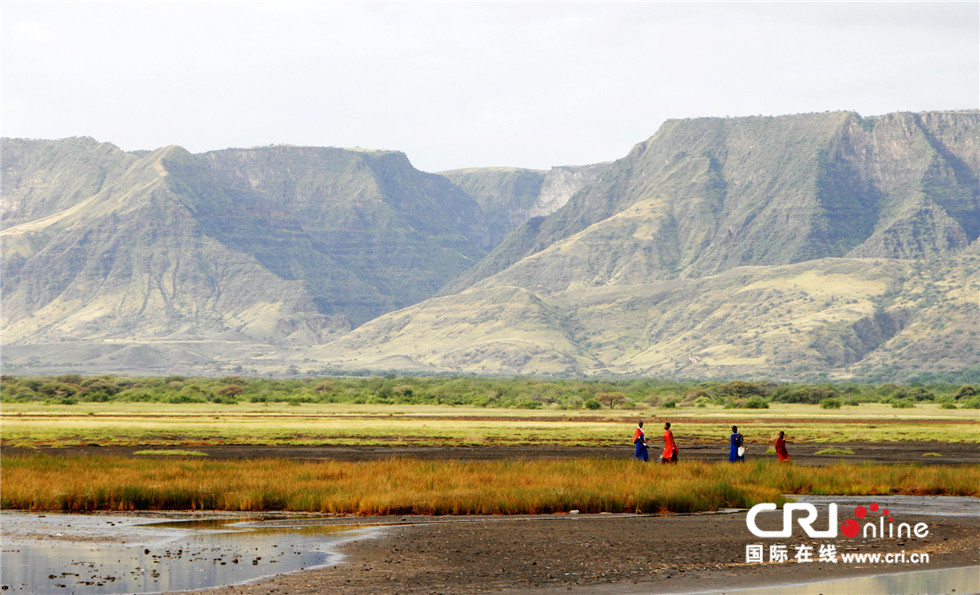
(670, 447)
(781, 448)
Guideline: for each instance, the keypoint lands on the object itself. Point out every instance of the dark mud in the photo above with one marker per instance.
(595, 554)
(926, 453)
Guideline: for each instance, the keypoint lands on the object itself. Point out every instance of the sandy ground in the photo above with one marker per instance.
(594, 554)
(926, 453)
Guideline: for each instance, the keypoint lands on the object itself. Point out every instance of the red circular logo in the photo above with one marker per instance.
(850, 528)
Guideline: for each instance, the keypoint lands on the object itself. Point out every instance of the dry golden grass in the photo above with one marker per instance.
(409, 486)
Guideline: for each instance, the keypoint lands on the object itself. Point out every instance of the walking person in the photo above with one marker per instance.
(670, 447)
(640, 440)
(781, 448)
(737, 452)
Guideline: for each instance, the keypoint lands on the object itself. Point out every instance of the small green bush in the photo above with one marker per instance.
(592, 404)
(971, 403)
(830, 404)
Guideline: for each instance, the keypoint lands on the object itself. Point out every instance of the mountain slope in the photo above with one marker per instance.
(721, 193)
(278, 245)
(132, 262)
(511, 196)
(778, 246)
(839, 316)
(818, 245)
(365, 231)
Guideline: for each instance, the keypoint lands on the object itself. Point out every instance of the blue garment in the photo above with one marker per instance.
(733, 454)
(641, 451)
(641, 448)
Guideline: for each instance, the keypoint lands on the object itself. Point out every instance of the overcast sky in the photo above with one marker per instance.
(466, 85)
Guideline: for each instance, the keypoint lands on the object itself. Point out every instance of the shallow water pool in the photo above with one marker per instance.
(103, 554)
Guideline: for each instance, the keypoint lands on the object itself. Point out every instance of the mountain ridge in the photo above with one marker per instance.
(777, 246)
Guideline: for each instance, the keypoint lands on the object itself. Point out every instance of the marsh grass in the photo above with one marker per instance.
(835, 451)
(410, 486)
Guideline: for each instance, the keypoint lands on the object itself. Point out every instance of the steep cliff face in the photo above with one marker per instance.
(560, 185)
(918, 174)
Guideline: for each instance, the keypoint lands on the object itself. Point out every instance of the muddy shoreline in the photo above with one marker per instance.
(579, 553)
(925, 453)
(592, 554)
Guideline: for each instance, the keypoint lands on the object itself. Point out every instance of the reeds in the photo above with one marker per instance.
(411, 486)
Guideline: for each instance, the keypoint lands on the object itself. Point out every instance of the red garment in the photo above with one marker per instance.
(781, 449)
(670, 448)
(638, 435)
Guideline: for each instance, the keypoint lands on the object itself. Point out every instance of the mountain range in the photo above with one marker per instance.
(818, 244)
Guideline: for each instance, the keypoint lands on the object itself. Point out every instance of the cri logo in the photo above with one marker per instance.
(849, 528)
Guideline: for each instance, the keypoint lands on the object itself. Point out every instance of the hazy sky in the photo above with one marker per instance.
(528, 84)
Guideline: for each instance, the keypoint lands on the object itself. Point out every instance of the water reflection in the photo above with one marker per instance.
(154, 557)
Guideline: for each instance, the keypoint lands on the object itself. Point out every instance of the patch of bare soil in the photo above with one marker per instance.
(593, 553)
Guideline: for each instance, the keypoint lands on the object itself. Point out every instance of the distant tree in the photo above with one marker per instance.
(231, 390)
(965, 391)
(57, 390)
(741, 389)
(611, 399)
(75, 379)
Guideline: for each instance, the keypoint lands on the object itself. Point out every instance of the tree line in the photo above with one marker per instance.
(515, 392)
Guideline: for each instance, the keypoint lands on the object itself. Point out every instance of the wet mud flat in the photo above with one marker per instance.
(920, 452)
(617, 554)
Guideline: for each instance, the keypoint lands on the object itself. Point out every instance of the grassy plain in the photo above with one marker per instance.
(186, 425)
(409, 486)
